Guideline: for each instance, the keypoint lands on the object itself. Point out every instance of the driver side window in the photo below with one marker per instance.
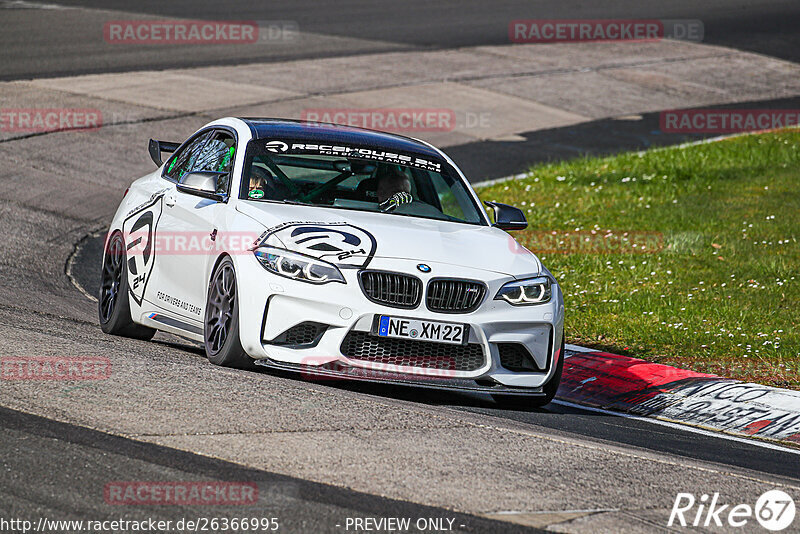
(211, 151)
(184, 160)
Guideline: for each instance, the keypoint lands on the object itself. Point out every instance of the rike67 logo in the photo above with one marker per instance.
(774, 510)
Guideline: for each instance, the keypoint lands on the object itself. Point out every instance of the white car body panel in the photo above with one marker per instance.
(172, 295)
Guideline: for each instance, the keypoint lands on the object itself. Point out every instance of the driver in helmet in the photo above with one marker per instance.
(258, 183)
(263, 184)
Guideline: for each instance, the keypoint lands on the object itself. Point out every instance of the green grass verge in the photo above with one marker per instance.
(716, 289)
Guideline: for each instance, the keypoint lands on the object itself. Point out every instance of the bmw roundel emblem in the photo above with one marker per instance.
(424, 268)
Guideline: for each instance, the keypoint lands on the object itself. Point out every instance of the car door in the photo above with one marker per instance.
(188, 227)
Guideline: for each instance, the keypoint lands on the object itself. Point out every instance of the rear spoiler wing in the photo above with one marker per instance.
(157, 147)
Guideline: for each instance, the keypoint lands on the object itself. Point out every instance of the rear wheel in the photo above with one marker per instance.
(522, 402)
(113, 304)
(221, 326)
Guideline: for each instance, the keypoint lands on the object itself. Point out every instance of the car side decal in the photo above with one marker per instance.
(139, 233)
(340, 243)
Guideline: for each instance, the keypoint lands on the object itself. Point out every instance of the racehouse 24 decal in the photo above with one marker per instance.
(140, 234)
(278, 147)
(339, 243)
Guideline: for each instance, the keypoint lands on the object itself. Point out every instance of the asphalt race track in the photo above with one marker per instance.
(320, 452)
(55, 42)
(301, 505)
(304, 442)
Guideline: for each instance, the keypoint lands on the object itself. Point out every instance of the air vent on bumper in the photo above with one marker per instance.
(515, 357)
(301, 335)
(412, 352)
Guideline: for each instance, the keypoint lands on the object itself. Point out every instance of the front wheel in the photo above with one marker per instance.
(221, 325)
(113, 304)
(521, 402)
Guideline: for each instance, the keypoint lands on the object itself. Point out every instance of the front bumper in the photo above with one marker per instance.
(274, 305)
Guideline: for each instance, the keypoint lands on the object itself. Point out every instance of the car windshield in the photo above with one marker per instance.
(356, 178)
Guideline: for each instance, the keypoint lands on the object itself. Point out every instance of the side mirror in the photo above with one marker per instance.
(202, 184)
(507, 217)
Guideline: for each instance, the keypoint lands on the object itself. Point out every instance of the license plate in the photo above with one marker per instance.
(422, 330)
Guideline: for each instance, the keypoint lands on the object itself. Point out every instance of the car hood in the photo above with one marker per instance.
(353, 238)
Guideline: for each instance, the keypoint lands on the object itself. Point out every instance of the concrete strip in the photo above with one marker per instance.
(583, 56)
(166, 90)
(727, 78)
(22, 97)
(374, 71)
(479, 113)
(495, 92)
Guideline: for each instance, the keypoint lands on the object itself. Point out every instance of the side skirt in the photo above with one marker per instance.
(173, 325)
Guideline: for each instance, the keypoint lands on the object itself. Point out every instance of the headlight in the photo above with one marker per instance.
(531, 291)
(298, 266)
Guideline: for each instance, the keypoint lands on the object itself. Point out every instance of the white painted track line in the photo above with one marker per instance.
(683, 426)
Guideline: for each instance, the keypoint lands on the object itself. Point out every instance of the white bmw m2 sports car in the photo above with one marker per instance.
(333, 251)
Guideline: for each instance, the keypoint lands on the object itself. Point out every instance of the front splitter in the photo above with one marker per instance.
(337, 371)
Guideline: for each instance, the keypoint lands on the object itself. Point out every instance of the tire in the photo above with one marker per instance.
(113, 302)
(522, 402)
(221, 324)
